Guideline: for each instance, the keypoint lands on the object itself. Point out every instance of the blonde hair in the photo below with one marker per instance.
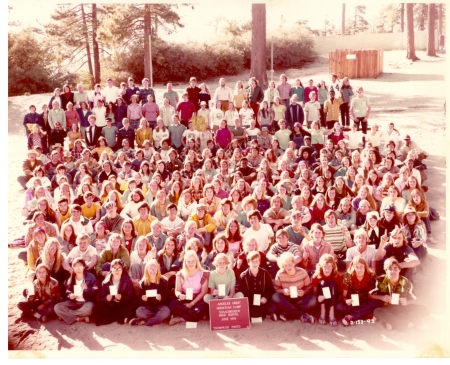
(198, 266)
(284, 258)
(139, 240)
(146, 278)
(46, 259)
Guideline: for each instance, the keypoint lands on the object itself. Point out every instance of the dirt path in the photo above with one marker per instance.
(412, 96)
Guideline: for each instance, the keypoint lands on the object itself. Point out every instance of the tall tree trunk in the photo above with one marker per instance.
(343, 20)
(431, 44)
(97, 74)
(402, 17)
(88, 47)
(410, 47)
(258, 55)
(147, 31)
(440, 25)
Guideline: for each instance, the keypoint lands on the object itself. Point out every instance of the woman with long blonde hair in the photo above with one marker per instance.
(154, 295)
(190, 288)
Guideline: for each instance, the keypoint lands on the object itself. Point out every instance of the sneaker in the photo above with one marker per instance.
(135, 322)
(387, 326)
(307, 318)
(273, 317)
(431, 240)
(347, 320)
(283, 317)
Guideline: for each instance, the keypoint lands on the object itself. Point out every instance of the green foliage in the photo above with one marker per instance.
(172, 62)
(27, 66)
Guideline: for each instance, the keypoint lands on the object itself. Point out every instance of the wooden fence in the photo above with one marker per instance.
(356, 64)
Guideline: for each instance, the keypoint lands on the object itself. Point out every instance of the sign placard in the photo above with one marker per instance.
(229, 314)
(350, 57)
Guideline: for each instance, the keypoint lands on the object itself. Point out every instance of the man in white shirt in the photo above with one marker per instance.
(100, 114)
(83, 250)
(80, 224)
(261, 232)
(111, 92)
(172, 225)
(224, 94)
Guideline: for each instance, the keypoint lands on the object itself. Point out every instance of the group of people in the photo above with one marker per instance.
(140, 213)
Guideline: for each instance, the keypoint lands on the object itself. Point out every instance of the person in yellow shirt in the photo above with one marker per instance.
(90, 209)
(143, 222)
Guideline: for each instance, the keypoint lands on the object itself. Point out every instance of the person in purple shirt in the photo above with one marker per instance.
(223, 135)
(186, 109)
(150, 110)
(308, 89)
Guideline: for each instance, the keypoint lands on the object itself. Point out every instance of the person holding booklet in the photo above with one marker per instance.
(395, 292)
(222, 281)
(293, 294)
(357, 283)
(327, 286)
(80, 295)
(154, 297)
(116, 296)
(256, 284)
(190, 287)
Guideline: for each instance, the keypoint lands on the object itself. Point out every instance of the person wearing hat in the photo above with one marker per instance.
(172, 225)
(264, 138)
(112, 219)
(206, 224)
(143, 221)
(76, 307)
(415, 232)
(203, 122)
(57, 135)
(51, 166)
(389, 219)
(145, 91)
(28, 165)
(193, 90)
(46, 295)
(410, 145)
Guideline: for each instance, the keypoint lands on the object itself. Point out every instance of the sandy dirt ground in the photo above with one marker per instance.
(412, 96)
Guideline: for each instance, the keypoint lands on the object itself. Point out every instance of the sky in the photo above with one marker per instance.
(286, 12)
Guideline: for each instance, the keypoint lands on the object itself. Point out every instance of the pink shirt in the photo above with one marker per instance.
(193, 282)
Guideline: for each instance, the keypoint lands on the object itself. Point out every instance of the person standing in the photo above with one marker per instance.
(110, 92)
(255, 95)
(130, 90)
(347, 93)
(193, 90)
(150, 111)
(360, 109)
(308, 90)
(100, 114)
(134, 112)
(223, 93)
(172, 95)
(56, 114)
(335, 85)
(285, 90)
(312, 109)
(186, 109)
(176, 130)
(294, 113)
(80, 96)
(331, 109)
(146, 91)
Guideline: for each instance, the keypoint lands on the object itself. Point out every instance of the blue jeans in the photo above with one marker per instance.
(427, 223)
(294, 307)
(154, 315)
(193, 314)
(365, 308)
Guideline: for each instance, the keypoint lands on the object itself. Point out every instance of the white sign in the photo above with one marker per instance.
(112, 290)
(189, 293)
(257, 299)
(326, 292)
(355, 300)
(293, 291)
(350, 57)
(151, 293)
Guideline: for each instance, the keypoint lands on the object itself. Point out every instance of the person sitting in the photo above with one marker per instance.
(222, 281)
(327, 286)
(255, 284)
(415, 231)
(154, 297)
(398, 247)
(46, 294)
(394, 286)
(80, 295)
(358, 281)
(281, 246)
(293, 295)
(116, 296)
